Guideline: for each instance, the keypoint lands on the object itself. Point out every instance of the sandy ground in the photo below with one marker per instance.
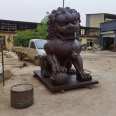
(98, 101)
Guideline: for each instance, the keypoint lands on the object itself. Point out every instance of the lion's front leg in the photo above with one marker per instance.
(58, 73)
(55, 64)
(78, 64)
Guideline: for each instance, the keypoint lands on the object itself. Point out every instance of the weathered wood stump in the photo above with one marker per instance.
(21, 95)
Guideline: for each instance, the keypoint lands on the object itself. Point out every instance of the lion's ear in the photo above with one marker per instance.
(52, 18)
(77, 16)
(54, 12)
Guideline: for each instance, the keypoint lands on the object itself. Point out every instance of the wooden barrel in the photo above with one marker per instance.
(21, 95)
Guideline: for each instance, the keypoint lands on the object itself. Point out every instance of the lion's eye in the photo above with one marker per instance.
(66, 23)
(61, 24)
(74, 22)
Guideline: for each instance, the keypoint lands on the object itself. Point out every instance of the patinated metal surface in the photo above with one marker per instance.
(63, 47)
(72, 83)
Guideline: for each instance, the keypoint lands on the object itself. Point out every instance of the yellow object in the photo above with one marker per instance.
(8, 40)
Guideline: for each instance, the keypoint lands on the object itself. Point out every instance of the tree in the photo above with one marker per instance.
(42, 30)
(23, 37)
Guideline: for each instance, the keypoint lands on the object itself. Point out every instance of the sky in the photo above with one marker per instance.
(35, 10)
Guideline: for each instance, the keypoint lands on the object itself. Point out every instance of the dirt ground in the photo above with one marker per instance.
(98, 101)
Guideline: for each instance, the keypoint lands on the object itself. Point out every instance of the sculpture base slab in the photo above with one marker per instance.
(71, 84)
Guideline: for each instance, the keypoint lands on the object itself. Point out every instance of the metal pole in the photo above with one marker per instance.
(115, 41)
(2, 53)
(3, 66)
(63, 3)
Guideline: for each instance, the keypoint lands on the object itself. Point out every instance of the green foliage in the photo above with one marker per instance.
(42, 30)
(23, 37)
(44, 20)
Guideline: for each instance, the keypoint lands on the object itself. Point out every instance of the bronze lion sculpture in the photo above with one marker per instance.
(63, 47)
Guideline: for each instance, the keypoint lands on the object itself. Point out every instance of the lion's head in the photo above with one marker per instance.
(64, 22)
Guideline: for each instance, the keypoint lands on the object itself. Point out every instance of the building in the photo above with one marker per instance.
(108, 35)
(8, 29)
(89, 36)
(94, 20)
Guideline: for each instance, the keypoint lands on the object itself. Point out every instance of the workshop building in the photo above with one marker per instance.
(94, 20)
(108, 35)
(90, 36)
(8, 29)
